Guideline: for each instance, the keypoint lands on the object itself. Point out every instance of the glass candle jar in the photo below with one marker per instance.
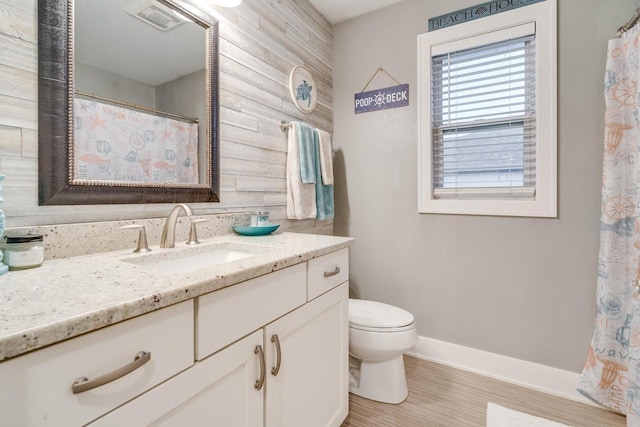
(23, 251)
(260, 219)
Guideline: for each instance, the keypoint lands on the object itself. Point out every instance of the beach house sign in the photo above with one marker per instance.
(382, 99)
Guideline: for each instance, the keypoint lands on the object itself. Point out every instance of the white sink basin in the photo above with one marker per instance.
(189, 260)
(198, 261)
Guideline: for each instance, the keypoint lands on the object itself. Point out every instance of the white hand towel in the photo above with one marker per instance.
(326, 157)
(301, 198)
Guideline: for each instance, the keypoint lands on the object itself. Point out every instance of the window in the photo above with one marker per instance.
(487, 139)
(482, 117)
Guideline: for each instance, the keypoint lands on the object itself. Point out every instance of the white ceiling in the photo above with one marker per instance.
(109, 39)
(337, 11)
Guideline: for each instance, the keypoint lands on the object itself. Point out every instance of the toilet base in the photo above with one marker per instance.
(384, 382)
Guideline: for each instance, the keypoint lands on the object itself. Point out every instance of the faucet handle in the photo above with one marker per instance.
(193, 234)
(142, 237)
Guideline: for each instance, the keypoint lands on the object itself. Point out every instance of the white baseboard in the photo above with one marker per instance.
(521, 372)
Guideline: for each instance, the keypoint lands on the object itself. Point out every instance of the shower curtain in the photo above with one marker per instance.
(116, 143)
(611, 375)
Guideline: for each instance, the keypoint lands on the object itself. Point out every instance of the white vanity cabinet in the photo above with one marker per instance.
(310, 388)
(289, 371)
(268, 352)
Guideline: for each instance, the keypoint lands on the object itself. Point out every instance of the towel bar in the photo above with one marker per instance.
(284, 126)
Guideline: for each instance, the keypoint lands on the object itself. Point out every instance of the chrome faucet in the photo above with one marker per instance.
(168, 239)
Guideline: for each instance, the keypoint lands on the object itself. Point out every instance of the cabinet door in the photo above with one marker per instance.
(217, 392)
(311, 387)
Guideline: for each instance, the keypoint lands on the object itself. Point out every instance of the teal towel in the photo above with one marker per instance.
(307, 140)
(311, 171)
(324, 193)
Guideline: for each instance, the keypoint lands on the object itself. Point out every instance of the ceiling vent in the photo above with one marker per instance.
(155, 14)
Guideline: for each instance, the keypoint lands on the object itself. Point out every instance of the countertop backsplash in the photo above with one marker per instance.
(67, 240)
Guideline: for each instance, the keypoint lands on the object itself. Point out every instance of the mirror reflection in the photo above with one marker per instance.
(140, 111)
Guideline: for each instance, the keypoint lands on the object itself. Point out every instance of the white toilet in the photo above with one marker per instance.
(378, 336)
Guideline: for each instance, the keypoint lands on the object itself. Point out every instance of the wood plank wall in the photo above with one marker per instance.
(260, 42)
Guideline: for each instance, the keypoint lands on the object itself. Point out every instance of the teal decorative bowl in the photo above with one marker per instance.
(255, 231)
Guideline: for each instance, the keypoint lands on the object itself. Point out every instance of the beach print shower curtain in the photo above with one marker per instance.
(114, 143)
(611, 375)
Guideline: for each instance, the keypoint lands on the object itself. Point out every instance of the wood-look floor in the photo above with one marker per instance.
(448, 397)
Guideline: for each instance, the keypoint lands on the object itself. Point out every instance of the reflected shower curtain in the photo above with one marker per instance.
(611, 375)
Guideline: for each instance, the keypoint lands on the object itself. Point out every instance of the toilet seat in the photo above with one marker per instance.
(375, 316)
(382, 330)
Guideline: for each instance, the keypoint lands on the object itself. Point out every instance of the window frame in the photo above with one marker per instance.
(491, 29)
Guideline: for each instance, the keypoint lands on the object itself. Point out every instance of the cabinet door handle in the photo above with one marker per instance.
(276, 369)
(332, 273)
(260, 382)
(83, 384)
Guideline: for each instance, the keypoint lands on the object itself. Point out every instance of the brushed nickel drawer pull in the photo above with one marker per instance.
(83, 384)
(332, 273)
(276, 369)
(260, 382)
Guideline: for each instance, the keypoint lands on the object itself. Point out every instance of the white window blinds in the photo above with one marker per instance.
(483, 120)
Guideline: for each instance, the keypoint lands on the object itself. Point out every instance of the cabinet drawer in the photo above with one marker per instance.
(218, 391)
(327, 272)
(36, 388)
(227, 315)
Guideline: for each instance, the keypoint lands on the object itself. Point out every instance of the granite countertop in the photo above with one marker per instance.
(68, 297)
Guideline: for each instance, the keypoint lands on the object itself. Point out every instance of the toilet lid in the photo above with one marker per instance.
(374, 314)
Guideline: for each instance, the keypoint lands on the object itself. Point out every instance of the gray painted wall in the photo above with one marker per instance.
(114, 86)
(519, 287)
(186, 96)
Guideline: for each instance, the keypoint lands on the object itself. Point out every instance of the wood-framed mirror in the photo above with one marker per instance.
(127, 102)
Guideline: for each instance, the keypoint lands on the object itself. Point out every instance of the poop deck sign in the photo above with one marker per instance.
(382, 99)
